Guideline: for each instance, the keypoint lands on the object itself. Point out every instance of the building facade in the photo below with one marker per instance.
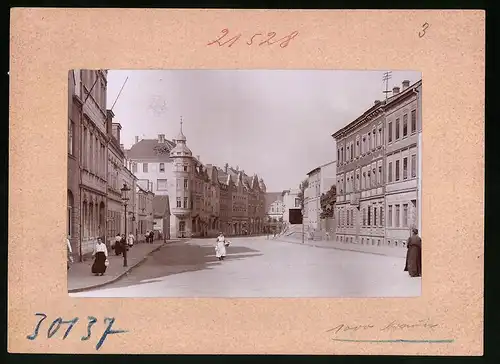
(377, 172)
(360, 179)
(291, 206)
(74, 144)
(312, 194)
(403, 126)
(203, 199)
(93, 158)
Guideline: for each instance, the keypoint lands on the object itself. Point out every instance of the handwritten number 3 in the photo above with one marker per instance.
(424, 28)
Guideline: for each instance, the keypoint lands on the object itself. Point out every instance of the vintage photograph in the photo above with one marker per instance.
(244, 183)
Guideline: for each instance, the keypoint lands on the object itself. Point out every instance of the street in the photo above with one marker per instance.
(257, 267)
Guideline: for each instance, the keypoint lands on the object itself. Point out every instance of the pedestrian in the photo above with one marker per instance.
(131, 239)
(69, 252)
(414, 255)
(117, 246)
(220, 246)
(101, 258)
(151, 236)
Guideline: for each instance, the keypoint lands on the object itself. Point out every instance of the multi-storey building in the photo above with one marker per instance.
(93, 157)
(312, 195)
(145, 218)
(274, 205)
(403, 125)
(204, 199)
(74, 145)
(377, 171)
(360, 179)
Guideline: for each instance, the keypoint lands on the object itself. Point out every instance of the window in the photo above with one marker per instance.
(405, 125)
(397, 215)
(338, 155)
(134, 167)
(357, 181)
(369, 141)
(380, 215)
(389, 133)
(185, 202)
(347, 218)
(363, 145)
(185, 168)
(405, 168)
(374, 177)
(177, 183)
(342, 154)
(397, 129)
(369, 215)
(297, 202)
(413, 121)
(389, 216)
(357, 147)
(389, 173)
(405, 215)
(162, 167)
(71, 129)
(348, 152)
(185, 183)
(374, 140)
(352, 217)
(379, 174)
(364, 217)
(178, 202)
(397, 170)
(380, 141)
(145, 168)
(374, 216)
(352, 150)
(161, 184)
(414, 165)
(368, 179)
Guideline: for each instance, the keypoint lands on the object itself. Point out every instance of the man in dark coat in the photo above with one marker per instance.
(414, 255)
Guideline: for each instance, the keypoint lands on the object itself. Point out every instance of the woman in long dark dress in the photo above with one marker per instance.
(414, 255)
(101, 255)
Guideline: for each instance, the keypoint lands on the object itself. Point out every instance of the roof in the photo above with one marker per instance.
(160, 206)
(272, 197)
(378, 106)
(150, 149)
(317, 169)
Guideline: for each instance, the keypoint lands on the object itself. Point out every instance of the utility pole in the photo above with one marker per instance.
(387, 75)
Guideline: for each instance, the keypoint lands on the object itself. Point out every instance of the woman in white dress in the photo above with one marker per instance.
(101, 256)
(220, 246)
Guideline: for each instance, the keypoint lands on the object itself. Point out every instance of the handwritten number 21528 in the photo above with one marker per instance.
(257, 38)
(56, 325)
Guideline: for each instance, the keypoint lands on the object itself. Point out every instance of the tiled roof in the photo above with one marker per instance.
(161, 206)
(272, 197)
(146, 149)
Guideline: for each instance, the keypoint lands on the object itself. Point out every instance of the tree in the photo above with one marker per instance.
(327, 202)
(301, 196)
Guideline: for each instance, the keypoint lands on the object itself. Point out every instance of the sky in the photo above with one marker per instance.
(276, 123)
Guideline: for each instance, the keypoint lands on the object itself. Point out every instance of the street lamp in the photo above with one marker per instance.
(125, 198)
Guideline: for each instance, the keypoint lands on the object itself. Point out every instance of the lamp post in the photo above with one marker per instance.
(125, 189)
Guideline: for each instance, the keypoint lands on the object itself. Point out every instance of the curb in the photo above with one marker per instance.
(88, 288)
(337, 248)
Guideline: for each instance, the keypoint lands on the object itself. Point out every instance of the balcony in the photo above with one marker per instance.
(181, 212)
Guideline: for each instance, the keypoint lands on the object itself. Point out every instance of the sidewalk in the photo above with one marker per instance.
(80, 277)
(399, 252)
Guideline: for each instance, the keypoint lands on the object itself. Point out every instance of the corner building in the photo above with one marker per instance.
(359, 210)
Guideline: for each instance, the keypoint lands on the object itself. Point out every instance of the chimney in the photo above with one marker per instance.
(136, 139)
(161, 138)
(173, 140)
(226, 166)
(395, 90)
(116, 127)
(122, 147)
(237, 168)
(376, 102)
(198, 157)
(406, 84)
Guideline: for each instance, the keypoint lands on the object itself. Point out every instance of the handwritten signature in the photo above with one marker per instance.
(56, 325)
(283, 42)
(392, 326)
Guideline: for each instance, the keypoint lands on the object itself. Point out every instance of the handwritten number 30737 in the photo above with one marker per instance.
(257, 38)
(56, 325)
